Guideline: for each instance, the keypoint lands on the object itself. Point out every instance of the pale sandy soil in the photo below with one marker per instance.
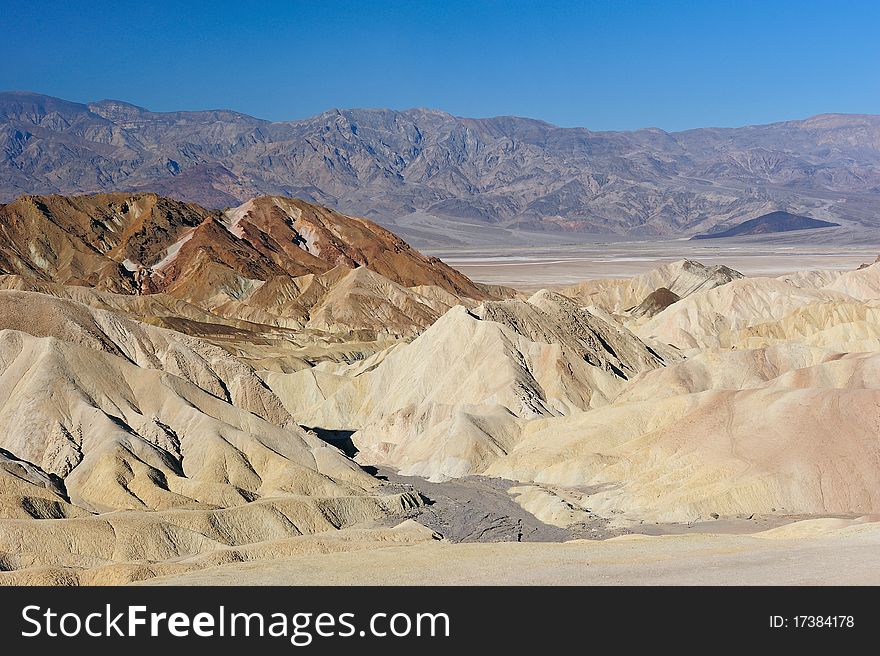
(549, 266)
(845, 557)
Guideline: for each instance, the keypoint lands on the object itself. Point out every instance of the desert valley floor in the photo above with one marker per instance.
(281, 394)
(561, 265)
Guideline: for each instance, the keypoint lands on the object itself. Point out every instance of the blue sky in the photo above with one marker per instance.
(603, 65)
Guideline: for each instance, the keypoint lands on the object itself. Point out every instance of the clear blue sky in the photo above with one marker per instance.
(602, 64)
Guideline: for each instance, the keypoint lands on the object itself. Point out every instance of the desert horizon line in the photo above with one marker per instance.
(437, 110)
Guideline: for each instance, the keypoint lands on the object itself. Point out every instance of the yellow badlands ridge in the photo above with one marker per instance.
(196, 396)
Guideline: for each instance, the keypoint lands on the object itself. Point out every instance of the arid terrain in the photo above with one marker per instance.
(281, 393)
(559, 265)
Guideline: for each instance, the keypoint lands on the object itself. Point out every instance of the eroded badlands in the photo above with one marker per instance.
(279, 393)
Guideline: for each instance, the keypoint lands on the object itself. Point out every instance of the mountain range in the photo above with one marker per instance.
(394, 166)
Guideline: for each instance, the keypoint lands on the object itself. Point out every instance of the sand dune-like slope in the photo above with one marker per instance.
(787, 428)
(454, 399)
(83, 431)
(682, 278)
(862, 284)
(352, 300)
(844, 326)
(146, 308)
(209, 367)
(100, 413)
(775, 409)
(273, 339)
(215, 476)
(814, 278)
(123, 436)
(721, 452)
(755, 311)
(720, 369)
(300, 320)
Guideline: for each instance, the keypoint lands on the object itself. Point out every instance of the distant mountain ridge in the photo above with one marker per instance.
(768, 224)
(504, 171)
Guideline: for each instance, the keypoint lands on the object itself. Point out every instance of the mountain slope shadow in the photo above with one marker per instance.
(341, 439)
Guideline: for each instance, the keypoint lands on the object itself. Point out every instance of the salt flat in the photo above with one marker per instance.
(564, 264)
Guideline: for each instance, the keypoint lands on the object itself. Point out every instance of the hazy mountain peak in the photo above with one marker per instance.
(505, 171)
